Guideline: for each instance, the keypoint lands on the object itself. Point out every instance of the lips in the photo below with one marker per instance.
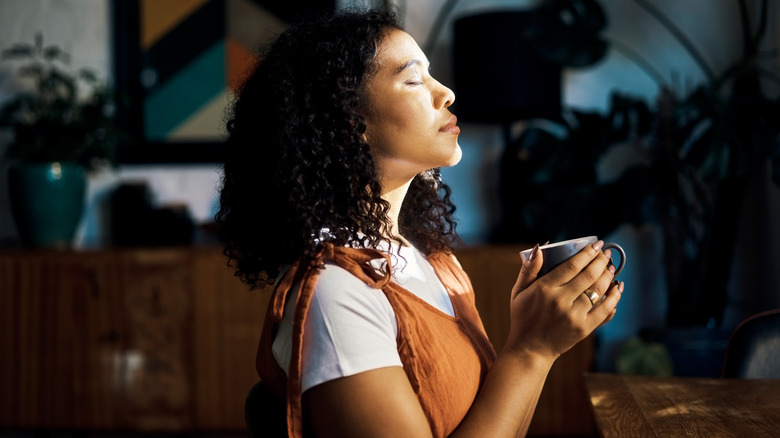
(451, 126)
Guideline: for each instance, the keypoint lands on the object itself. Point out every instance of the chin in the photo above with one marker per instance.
(457, 154)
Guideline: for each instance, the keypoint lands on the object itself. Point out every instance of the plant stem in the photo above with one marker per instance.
(750, 45)
(747, 39)
(761, 28)
(677, 33)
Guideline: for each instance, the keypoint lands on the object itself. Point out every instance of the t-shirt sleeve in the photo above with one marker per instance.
(350, 328)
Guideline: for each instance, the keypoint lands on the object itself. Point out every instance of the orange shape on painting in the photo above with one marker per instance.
(239, 61)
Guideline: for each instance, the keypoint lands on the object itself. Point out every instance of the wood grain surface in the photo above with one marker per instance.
(644, 406)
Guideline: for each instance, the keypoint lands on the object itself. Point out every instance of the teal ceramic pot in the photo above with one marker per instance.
(47, 202)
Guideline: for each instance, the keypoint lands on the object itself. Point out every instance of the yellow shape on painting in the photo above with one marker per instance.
(205, 124)
(159, 17)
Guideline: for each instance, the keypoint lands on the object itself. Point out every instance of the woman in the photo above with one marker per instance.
(331, 192)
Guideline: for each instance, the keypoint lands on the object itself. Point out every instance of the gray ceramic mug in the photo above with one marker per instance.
(558, 252)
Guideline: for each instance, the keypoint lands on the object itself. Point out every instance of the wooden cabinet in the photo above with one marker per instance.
(164, 339)
(157, 339)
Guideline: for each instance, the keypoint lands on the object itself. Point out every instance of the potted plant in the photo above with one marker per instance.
(699, 153)
(62, 127)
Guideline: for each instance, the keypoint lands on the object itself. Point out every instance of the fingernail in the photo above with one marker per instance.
(622, 285)
(597, 246)
(534, 253)
(608, 252)
(611, 269)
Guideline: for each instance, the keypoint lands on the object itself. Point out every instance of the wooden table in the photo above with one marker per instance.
(642, 406)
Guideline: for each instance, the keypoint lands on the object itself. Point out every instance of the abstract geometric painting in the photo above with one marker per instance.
(180, 64)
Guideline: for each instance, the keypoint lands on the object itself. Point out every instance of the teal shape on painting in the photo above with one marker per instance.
(183, 94)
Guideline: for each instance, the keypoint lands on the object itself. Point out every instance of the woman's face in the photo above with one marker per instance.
(408, 125)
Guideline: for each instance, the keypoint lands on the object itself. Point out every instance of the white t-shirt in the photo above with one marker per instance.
(350, 327)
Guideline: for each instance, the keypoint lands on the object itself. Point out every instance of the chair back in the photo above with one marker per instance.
(753, 351)
(265, 412)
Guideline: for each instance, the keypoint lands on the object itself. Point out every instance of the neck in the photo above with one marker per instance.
(395, 196)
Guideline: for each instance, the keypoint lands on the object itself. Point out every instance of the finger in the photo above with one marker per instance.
(569, 269)
(591, 274)
(609, 317)
(604, 281)
(587, 299)
(529, 270)
(604, 311)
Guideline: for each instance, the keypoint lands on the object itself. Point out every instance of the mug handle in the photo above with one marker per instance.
(620, 250)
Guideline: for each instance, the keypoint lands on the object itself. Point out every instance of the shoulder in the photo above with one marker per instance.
(350, 328)
(444, 258)
(338, 292)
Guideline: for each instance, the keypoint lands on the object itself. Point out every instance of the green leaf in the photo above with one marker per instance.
(39, 42)
(20, 50)
(31, 71)
(54, 53)
(644, 358)
(88, 75)
(567, 32)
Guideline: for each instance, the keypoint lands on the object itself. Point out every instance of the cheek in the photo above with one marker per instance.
(381, 141)
(385, 129)
(398, 120)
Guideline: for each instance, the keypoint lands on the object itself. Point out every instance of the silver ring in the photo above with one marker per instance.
(592, 295)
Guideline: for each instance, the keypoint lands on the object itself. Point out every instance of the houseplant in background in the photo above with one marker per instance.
(699, 153)
(62, 127)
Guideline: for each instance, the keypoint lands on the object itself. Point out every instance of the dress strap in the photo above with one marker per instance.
(303, 274)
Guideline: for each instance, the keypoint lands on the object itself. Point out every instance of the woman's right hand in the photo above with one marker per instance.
(550, 314)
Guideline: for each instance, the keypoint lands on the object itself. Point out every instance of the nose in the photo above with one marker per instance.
(443, 96)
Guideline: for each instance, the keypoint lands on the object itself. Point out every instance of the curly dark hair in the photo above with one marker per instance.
(298, 170)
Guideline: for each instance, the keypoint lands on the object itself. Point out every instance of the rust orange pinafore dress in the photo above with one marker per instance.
(446, 358)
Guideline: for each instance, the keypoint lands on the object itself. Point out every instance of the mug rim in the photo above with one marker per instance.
(564, 242)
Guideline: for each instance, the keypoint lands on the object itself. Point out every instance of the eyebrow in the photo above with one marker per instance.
(408, 64)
